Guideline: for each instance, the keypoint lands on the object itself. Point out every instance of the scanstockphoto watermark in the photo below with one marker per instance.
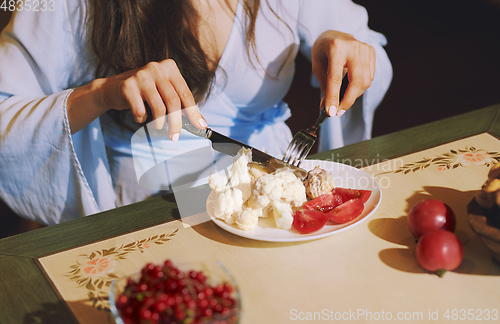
(379, 167)
(359, 181)
(359, 314)
(376, 163)
(430, 315)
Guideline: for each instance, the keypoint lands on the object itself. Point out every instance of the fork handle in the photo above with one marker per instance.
(322, 117)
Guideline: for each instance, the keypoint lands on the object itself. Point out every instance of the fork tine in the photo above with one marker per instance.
(292, 153)
(300, 148)
(295, 151)
(286, 156)
(289, 150)
(304, 154)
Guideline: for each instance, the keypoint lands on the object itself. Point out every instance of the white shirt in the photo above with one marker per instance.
(50, 176)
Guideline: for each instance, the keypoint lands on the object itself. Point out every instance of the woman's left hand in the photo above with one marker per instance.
(335, 53)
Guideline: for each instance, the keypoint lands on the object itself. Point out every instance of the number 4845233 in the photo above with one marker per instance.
(471, 314)
(28, 5)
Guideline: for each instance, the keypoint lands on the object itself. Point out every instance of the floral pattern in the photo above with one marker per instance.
(95, 271)
(452, 160)
(99, 266)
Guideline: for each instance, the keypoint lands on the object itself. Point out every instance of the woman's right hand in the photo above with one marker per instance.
(160, 84)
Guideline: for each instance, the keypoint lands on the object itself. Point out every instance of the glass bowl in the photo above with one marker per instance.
(184, 292)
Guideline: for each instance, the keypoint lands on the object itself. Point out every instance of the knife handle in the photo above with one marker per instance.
(186, 124)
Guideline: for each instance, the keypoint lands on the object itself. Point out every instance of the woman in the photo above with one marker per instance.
(65, 146)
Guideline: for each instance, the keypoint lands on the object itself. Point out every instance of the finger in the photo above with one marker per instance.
(132, 94)
(373, 59)
(157, 106)
(336, 63)
(366, 62)
(190, 107)
(171, 98)
(174, 124)
(184, 93)
(356, 86)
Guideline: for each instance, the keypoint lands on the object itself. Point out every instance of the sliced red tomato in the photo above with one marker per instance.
(306, 221)
(324, 202)
(348, 194)
(346, 212)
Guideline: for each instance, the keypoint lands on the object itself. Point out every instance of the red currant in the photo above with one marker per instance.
(207, 312)
(170, 285)
(179, 314)
(142, 287)
(145, 314)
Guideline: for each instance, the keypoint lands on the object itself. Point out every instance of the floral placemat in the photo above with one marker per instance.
(83, 276)
(451, 172)
(272, 275)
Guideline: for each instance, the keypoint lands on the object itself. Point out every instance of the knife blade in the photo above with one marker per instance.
(229, 146)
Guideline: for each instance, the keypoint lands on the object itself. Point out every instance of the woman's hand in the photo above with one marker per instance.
(160, 84)
(335, 53)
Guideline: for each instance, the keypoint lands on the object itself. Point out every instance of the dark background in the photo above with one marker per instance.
(446, 60)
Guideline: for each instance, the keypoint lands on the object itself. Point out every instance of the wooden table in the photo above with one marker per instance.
(374, 273)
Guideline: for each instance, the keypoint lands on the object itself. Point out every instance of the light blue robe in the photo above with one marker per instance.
(51, 176)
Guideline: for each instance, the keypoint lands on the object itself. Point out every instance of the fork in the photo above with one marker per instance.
(303, 141)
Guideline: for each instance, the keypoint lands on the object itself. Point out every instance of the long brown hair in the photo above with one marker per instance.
(128, 34)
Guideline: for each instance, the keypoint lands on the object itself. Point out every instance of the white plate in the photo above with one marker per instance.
(344, 175)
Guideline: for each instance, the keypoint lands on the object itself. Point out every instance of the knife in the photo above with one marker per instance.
(229, 146)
